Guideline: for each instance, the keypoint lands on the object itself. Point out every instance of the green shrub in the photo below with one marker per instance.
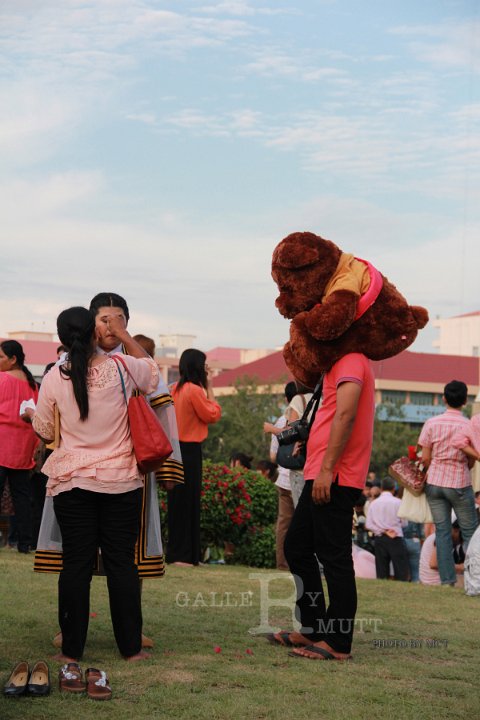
(258, 548)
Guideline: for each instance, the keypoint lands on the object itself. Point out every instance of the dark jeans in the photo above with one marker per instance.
(393, 550)
(19, 481)
(184, 509)
(323, 533)
(89, 520)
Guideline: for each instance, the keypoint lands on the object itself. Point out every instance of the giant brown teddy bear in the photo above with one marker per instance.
(338, 304)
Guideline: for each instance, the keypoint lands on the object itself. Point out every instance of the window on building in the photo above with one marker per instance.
(396, 397)
(422, 398)
(475, 351)
(173, 375)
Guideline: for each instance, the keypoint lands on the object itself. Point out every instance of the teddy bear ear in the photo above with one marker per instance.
(296, 255)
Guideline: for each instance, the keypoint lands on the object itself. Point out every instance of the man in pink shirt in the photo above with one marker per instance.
(383, 521)
(338, 455)
(449, 485)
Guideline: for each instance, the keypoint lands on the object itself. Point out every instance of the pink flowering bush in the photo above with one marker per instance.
(225, 504)
(232, 501)
(237, 506)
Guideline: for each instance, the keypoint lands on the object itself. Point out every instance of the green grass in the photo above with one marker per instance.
(187, 679)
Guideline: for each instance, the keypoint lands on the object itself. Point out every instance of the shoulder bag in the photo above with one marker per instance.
(150, 443)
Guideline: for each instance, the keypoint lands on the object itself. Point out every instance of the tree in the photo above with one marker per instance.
(391, 437)
(240, 428)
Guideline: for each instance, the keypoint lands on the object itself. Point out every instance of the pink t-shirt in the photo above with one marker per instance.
(352, 467)
(17, 439)
(449, 465)
(97, 453)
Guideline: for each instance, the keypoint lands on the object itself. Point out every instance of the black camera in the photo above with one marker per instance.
(297, 431)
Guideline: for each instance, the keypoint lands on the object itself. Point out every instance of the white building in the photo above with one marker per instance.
(459, 335)
(173, 345)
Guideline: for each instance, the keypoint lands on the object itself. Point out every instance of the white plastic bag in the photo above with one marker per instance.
(415, 508)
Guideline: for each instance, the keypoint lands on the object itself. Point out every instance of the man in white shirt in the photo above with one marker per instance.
(285, 501)
(383, 521)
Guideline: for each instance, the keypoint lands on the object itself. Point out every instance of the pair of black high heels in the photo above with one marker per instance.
(23, 681)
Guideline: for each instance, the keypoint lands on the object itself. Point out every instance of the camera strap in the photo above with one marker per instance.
(313, 404)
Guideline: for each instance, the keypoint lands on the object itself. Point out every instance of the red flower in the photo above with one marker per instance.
(412, 452)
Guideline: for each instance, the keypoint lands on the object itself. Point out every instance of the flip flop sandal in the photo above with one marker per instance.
(324, 654)
(147, 642)
(98, 687)
(282, 639)
(70, 678)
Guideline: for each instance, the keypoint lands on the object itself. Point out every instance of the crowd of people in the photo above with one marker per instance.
(387, 544)
(72, 434)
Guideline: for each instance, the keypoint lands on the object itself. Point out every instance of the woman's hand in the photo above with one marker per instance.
(209, 388)
(117, 326)
(209, 373)
(28, 415)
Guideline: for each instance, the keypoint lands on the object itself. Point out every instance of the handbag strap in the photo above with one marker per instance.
(116, 360)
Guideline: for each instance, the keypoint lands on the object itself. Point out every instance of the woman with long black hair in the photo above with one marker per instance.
(94, 478)
(196, 409)
(17, 439)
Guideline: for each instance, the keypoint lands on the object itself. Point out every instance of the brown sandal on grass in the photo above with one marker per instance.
(97, 685)
(70, 678)
(283, 638)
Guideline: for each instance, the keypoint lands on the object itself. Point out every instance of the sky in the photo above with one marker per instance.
(161, 149)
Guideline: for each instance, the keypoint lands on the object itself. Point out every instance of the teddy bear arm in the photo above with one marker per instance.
(333, 317)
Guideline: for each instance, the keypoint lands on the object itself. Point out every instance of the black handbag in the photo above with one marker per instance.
(294, 438)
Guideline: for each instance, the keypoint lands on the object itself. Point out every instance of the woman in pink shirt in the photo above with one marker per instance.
(94, 478)
(17, 439)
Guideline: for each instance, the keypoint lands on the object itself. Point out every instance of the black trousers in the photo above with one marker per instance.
(19, 481)
(391, 549)
(184, 509)
(323, 533)
(89, 520)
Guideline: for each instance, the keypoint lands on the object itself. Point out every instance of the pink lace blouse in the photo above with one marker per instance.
(97, 453)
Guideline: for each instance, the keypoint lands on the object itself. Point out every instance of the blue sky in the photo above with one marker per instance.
(162, 149)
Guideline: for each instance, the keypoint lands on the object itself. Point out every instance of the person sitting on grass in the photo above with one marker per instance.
(429, 573)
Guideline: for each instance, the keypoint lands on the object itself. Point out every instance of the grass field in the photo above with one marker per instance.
(415, 651)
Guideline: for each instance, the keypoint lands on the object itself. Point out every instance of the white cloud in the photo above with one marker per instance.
(280, 62)
(147, 118)
(451, 46)
(244, 8)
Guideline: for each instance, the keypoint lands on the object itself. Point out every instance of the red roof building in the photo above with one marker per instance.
(413, 380)
(37, 354)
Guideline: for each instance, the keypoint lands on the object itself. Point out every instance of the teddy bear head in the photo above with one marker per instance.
(302, 265)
